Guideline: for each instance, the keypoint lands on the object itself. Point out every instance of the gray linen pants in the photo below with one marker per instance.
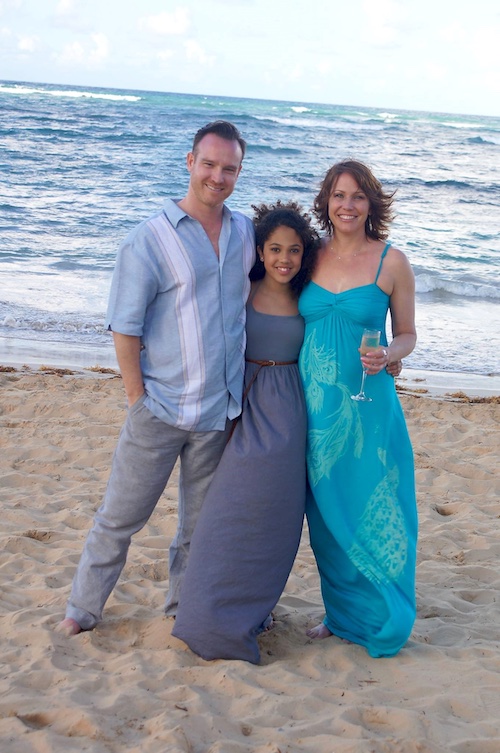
(144, 458)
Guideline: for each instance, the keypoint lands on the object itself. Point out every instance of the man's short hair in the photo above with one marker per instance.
(224, 130)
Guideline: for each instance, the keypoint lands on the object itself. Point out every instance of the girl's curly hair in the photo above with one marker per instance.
(267, 218)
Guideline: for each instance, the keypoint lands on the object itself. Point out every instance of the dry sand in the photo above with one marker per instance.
(130, 686)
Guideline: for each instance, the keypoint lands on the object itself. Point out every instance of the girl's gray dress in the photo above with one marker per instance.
(249, 529)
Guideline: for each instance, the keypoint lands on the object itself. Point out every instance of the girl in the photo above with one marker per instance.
(249, 529)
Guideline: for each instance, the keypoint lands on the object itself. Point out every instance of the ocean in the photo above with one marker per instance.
(81, 166)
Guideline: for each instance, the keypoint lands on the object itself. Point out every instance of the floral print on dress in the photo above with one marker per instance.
(380, 546)
(326, 446)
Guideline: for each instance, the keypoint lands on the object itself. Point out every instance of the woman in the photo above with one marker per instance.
(249, 528)
(361, 510)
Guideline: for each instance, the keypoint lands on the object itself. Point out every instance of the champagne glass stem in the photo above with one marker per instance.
(361, 397)
(362, 388)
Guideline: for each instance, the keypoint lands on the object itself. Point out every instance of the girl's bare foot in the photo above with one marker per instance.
(69, 627)
(319, 632)
(267, 625)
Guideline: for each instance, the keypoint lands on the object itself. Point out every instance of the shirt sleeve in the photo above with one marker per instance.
(135, 283)
(247, 233)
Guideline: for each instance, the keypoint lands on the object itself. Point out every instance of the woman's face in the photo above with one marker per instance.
(282, 254)
(348, 206)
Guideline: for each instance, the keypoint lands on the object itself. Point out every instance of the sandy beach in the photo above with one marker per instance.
(129, 686)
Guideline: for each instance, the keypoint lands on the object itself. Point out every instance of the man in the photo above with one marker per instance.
(177, 313)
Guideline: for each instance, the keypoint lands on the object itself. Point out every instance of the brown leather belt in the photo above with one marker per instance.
(260, 364)
(270, 363)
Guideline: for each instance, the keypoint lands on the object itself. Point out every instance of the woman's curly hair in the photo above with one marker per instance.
(380, 214)
(267, 218)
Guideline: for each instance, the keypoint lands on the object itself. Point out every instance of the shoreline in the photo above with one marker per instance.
(448, 384)
(94, 359)
(18, 352)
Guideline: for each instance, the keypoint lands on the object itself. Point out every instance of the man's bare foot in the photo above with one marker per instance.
(69, 627)
(319, 632)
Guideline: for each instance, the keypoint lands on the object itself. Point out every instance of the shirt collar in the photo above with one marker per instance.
(175, 214)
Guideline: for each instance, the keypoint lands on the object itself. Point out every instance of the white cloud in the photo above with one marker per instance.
(475, 52)
(381, 21)
(91, 53)
(27, 44)
(435, 71)
(295, 73)
(324, 66)
(195, 52)
(453, 33)
(176, 23)
(100, 52)
(73, 52)
(64, 7)
(67, 16)
(6, 5)
(485, 46)
(165, 55)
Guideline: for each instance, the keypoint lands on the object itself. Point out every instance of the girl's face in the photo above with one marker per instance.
(282, 254)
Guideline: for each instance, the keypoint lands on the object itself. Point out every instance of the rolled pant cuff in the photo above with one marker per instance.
(86, 620)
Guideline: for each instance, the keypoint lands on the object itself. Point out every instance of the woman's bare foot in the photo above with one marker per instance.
(319, 632)
(69, 627)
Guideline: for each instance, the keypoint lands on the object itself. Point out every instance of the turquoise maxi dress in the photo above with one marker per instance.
(362, 509)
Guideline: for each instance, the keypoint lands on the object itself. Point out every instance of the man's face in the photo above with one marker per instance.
(214, 169)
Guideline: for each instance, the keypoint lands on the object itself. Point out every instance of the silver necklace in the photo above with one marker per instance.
(349, 256)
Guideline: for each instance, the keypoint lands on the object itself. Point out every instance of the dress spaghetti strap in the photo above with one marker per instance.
(384, 252)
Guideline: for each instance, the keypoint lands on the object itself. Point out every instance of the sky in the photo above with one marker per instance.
(431, 55)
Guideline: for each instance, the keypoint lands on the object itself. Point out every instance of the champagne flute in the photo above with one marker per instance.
(370, 341)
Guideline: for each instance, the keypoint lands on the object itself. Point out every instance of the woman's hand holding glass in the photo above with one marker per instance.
(378, 359)
(374, 360)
